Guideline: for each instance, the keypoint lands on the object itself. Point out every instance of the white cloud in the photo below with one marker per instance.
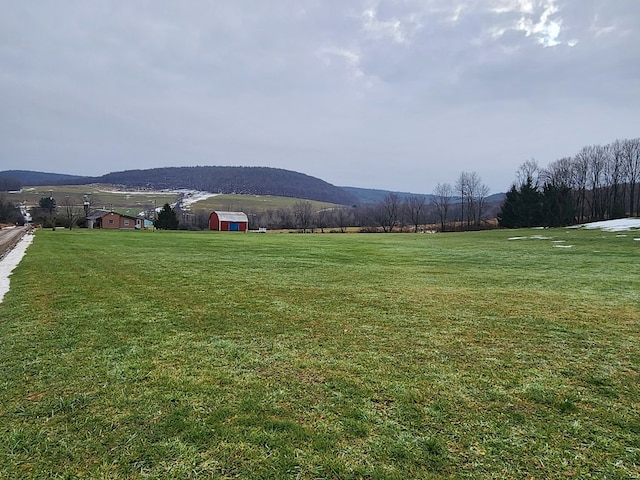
(381, 29)
(327, 54)
(448, 85)
(399, 29)
(598, 28)
(539, 20)
(344, 56)
(546, 30)
(455, 16)
(508, 6)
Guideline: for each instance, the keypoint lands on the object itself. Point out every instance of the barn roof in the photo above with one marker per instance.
(231, 216)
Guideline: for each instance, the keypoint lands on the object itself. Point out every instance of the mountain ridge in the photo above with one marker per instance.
(222, 179)
(215, 179)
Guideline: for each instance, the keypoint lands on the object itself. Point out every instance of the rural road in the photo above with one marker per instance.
(9, 237)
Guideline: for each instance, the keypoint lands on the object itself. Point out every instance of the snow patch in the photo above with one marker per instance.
(190, 197)
(187, 197)
(11, 261)
(619, 225)
(128, 192)
(532, 237)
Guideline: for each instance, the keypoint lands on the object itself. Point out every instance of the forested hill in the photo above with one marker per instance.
(240, 180)
(372, 195)
(28, 177)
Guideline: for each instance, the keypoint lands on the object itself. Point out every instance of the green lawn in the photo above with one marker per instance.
(132, 202)
(213, 355)
(100, 196)
(254, 203)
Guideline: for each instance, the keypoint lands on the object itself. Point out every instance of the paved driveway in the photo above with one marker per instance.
(9, 237)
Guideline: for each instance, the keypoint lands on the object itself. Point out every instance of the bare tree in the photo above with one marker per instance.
(415, 206)
(473, 193)
(559, 173)
(441, 200)
(343, 218)
(286, 218)
(389, 212)
(323, 218)
(72, 210)
(481, 193)
(201, 220)
(580, 177)
(303, 213)
(463, 190)
(529, 170)
(597, 158)
(473, 197)
(614, 174)
(631, 154)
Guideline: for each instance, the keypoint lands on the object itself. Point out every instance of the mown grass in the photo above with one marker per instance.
(202, 354)
(100, 197)
(254, 203)
(104, 196)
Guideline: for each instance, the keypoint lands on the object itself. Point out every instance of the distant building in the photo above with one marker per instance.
(113, 220)
(228, 221)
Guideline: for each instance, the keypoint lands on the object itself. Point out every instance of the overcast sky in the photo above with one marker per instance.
(390, 94)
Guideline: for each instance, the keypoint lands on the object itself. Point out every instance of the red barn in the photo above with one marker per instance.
(228, 221)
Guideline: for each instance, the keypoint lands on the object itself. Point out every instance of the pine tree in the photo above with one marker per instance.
(508, 215)
(167, 219)
(559, 206)
(522, 207)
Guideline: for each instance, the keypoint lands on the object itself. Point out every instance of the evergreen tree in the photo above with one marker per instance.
(559, 206)
(522, 207)
(167, 219)
(9, 213)
(46, 211)
(508, 215)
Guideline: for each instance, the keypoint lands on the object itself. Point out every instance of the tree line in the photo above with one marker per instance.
(600, 182)
(462, 206)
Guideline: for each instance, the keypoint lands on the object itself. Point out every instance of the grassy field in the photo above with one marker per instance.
(133, 202)
(212, 355)
(101, 196)
(255, 203)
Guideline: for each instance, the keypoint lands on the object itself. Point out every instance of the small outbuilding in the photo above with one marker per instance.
(113, 220)
(228, 221)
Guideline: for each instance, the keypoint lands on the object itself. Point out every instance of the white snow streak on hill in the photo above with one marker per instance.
(193, 196)
(11, 261)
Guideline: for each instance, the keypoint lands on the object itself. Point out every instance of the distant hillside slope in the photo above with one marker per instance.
(370, 195)
(240, 180)
(27, 177)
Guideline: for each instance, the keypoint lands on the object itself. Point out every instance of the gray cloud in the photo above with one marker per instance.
(375, 93)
